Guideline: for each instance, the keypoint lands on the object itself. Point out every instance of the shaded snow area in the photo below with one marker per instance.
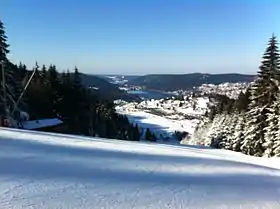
(36, 124)
(44, 170)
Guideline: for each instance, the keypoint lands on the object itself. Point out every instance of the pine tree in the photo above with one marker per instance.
(43, 73)
(269, 72)
(201, 130)
(38, 97)
(54, 85)
(271, 131)
(271, 57)
(227, 131)
(153, 137)
(238, 136)
(254, 130)
(265, 89)
(242, 102)
(3, 59)
(136, 134)
(77, 79)
(148, 135)
(11, 79)
(276, 144)
(215, 134)
(3, 43)
(263, 94)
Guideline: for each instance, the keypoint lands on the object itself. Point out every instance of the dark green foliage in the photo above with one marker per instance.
(271, 59)
(223, 105)
(188, 81)
(181, 135)
(263, 95)
(3, 58)
(136, 134)
(12, 75)
(242, 102)
(3, 43)
(53, 94)
(148, 135)
(153, 138)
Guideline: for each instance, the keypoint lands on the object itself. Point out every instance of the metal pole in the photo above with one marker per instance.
(22, 93)
(4, 91)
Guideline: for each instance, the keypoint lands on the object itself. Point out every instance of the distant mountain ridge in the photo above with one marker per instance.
(104, 88)
(169, 82)
(96, 81)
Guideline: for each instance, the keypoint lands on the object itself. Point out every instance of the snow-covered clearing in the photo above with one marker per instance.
(44, 170)
(160, 125)
(164, 117)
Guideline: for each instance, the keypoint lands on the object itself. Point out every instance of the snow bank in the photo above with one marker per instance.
(36, 124)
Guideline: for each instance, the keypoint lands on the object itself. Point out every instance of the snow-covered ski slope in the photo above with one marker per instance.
(44, 170)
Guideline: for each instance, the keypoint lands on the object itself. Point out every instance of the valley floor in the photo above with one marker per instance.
(164, 118)
(44, 170)
(160, 125)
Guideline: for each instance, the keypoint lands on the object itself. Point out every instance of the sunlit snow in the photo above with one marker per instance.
(44, 170)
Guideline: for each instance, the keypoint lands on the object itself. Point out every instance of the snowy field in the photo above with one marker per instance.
(164, 117)
(44, 170)
(160, 125)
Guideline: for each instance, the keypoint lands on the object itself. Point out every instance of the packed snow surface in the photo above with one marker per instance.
(44, 170)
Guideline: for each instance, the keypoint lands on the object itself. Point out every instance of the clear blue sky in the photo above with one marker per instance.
(141, 36)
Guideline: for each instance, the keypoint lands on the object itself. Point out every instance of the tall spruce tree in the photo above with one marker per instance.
(275, 146)
(271, 61)
(148, 135)
(272, 137)
(3, 59)
(53, 82)
(200, 132)
(263, 94)
(228, 131)
(43, 73)
(215, 133)
(265, 88)
(7, 101)
(3, 43)
(238, 136)
(254, 130)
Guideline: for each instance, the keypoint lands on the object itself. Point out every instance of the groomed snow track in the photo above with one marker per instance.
(44, 170)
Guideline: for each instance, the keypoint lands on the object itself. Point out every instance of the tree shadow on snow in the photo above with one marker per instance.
(37, 161)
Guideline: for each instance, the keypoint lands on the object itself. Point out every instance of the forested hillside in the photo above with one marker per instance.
(61, 94)
(250, 124)
(187, 81)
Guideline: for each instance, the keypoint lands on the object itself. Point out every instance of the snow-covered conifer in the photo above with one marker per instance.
(238, 136)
